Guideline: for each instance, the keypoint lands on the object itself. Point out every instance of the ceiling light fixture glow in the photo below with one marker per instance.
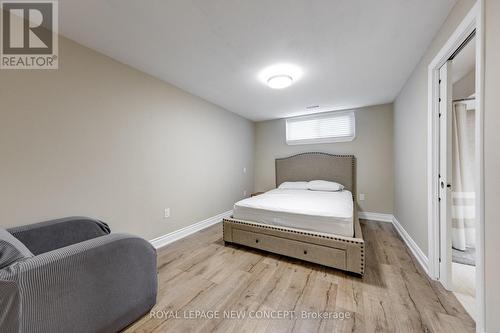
(280, 76)
(279, 81)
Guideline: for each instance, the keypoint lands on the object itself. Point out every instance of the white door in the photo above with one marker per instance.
(445, 173)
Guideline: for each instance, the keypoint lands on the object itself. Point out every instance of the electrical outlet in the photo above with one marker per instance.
(361, 197)
(166, 213)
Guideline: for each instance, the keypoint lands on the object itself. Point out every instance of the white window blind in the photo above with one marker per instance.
(321, 128)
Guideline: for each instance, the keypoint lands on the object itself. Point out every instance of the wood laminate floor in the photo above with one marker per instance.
(201, 281)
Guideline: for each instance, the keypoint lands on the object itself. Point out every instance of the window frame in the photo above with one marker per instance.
(321, 140)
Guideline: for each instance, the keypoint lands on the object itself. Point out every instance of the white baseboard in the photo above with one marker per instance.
(191, 229)
(417, 252)
(375, 216)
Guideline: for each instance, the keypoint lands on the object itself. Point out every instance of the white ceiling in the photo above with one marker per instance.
(352, 52)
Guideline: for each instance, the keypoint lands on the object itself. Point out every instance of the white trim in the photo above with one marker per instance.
(415, 250)
(319, 141)
(191, 229)
(432, 171)
(473, 20)
(480, 71)
(375, 216)
(410, 243)
(459, 35)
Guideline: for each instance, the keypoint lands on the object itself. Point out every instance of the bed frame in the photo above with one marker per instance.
(346, 253)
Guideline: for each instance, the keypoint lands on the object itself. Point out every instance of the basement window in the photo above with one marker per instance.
(321, 128)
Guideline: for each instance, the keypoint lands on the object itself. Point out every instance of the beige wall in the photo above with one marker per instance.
(99, 138)
(492, 163)
(410, 137)
(372, 147)
(466, 86)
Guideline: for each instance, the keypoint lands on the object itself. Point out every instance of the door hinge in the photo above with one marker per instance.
(439, 81)
(439, 99)
(439, 115)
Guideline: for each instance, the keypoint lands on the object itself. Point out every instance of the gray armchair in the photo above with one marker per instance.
(72, 275)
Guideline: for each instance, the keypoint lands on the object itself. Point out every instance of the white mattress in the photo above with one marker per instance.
(320, 211)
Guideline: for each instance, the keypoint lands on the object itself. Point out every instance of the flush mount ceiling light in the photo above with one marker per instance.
(280, 76)
(279, 81)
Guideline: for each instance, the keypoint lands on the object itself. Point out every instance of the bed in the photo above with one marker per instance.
(316, 226)
(317, 211)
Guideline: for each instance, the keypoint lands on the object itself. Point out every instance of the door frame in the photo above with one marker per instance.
(474, 20)
(445, 173)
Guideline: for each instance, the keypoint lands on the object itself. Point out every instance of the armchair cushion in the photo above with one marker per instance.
(11, 249)
(99, 285)
(55, 234)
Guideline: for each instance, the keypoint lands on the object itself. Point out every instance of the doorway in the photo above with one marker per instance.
(455, 165)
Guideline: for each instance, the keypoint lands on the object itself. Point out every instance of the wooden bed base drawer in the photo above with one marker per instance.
(324, 255)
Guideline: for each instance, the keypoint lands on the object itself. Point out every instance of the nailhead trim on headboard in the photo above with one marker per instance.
(354, 184)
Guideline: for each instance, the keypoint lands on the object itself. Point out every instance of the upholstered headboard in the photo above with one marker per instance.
(312, 166)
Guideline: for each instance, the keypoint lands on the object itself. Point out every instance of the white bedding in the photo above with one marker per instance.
(320, 211)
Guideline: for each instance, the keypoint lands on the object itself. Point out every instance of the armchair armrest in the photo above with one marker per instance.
(51, 235)
(100, 285)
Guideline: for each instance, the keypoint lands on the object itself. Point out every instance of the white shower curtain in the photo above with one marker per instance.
(463, 196)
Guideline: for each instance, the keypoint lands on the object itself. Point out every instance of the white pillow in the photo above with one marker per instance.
(323, 185)
(293, 186)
